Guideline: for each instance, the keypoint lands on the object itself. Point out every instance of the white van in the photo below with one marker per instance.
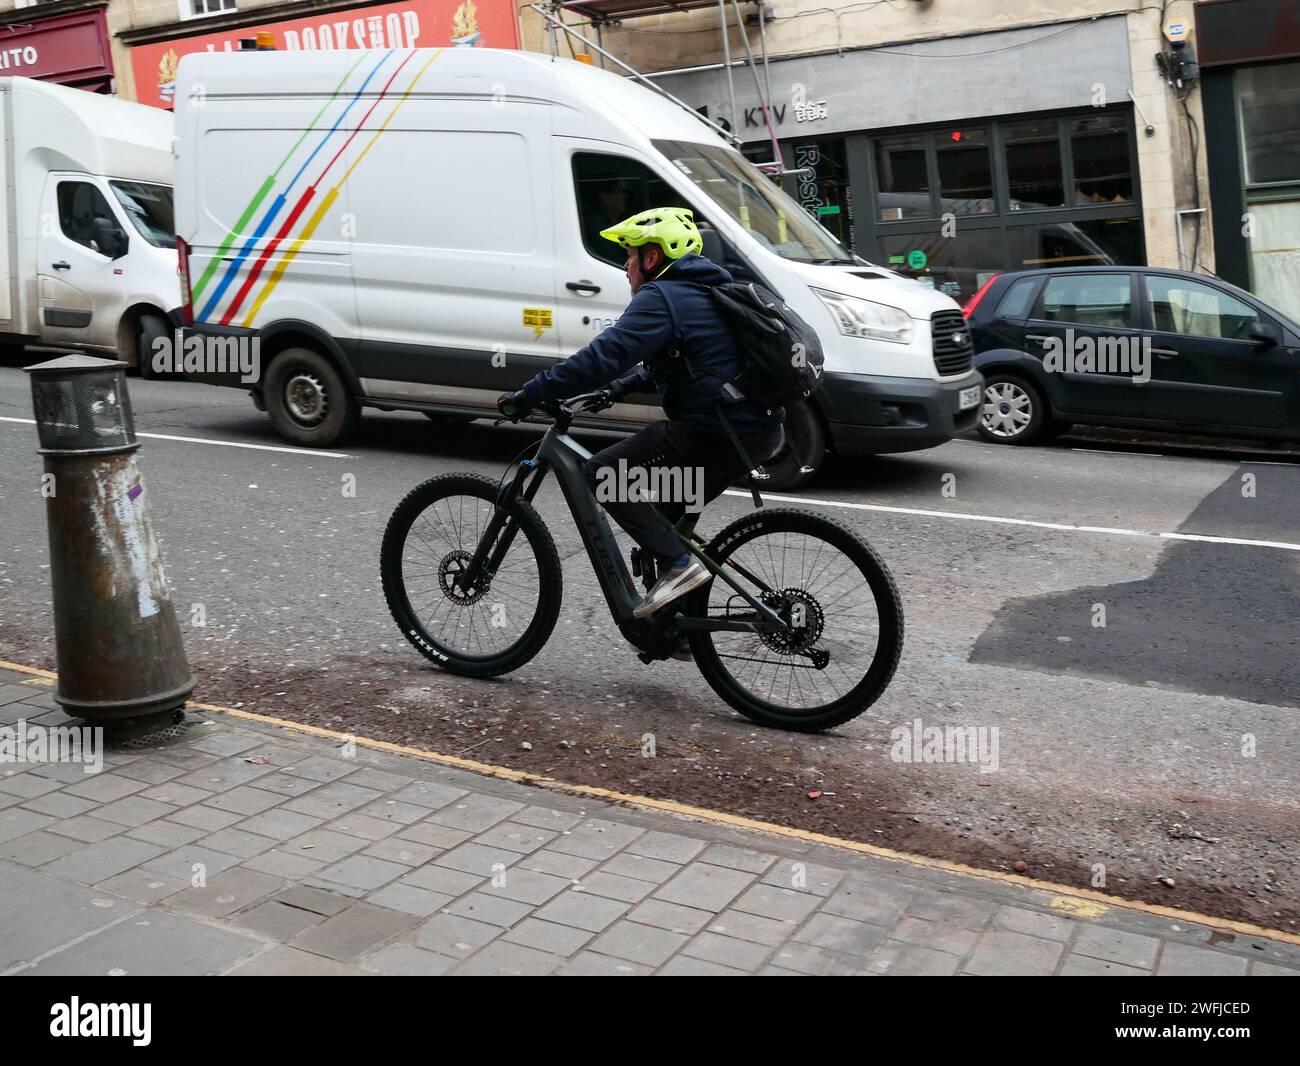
(418, 230)
(85, 187)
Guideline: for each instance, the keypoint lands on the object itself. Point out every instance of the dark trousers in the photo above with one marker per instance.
(683, 466)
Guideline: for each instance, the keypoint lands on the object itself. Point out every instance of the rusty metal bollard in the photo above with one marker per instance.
(120, 658)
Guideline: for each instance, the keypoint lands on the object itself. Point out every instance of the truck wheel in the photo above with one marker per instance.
(151, 327)
(802, 450)
(308, 400)
(1015, 411)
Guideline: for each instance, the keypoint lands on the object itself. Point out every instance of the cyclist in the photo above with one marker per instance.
(687, 351)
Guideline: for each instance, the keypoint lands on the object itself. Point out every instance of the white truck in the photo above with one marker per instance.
(419, 230)
(89, 257)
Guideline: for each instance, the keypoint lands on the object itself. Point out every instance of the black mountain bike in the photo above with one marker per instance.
(800, 626)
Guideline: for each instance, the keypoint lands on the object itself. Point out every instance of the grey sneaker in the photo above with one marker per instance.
(672, 584)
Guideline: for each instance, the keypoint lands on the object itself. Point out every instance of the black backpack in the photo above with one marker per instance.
(782, 355)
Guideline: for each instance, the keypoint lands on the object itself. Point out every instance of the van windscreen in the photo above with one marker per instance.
(749, 196)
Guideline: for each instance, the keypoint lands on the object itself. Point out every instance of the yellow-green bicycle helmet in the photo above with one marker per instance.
(671, 228)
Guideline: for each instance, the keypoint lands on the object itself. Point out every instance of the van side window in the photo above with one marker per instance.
(1196, 310)
(1088, 300)
(610, 188)
(80, 203)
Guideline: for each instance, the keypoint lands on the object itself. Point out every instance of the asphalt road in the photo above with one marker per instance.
(1162, 745)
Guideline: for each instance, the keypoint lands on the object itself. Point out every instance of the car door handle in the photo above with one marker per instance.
(1164, 353)
(61, 265)
(1038, 337)
(583, 286)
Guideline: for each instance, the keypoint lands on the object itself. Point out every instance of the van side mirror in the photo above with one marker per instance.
(1265, 335)
(110, 240)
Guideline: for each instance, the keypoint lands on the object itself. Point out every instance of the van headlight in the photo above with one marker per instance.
(863, 318)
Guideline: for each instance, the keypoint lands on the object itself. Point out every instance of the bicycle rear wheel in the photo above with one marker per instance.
(506, 617)
(846, 631)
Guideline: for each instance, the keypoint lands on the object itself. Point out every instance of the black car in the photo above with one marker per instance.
(1138, 347)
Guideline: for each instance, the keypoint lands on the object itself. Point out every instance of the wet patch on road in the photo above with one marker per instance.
(1218, 619)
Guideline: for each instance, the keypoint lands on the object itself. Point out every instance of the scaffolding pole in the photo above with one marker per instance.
(554, 24)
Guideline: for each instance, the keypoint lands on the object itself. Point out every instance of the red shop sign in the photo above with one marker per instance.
(65, 48)
(412, 24)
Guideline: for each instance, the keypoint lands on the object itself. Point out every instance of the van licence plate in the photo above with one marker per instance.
(968, 398)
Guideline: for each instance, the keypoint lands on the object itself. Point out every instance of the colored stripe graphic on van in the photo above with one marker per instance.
(269, 184)
(233, 267)
(330, 197)
(306, 197)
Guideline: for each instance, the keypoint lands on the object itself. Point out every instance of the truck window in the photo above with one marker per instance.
(610, 188)
(80, 203)
(149, 207)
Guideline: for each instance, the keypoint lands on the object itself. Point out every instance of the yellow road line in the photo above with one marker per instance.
(1069, 899)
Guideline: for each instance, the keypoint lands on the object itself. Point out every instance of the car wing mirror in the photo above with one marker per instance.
(1265, 335)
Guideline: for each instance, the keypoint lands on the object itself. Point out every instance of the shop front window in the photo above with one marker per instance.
(1077, 242)
(965, 171)
(1270, 122)
(903, 179)
(1103, 173)
(1035, 177)
(956, 265)
(822, 188)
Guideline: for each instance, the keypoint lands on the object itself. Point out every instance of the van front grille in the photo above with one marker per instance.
(953, 351)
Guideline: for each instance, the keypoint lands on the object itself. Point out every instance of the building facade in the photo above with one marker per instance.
(1250, 59)
(949, 139)
(140, 42)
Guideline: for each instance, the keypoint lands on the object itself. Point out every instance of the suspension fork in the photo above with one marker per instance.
(490, 552)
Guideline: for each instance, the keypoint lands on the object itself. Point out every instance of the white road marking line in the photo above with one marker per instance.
(998, 520)
(221, 443)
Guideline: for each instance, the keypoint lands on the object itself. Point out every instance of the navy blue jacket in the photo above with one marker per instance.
(688, 385)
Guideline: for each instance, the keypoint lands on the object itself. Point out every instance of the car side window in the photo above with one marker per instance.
(1193, 309)
(80, 203)
(1017, 300)
(611, 188)
(1089, 300)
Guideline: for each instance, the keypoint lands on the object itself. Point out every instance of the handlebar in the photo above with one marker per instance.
(584, 402)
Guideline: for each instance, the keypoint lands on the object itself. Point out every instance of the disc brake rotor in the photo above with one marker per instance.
(454, 564)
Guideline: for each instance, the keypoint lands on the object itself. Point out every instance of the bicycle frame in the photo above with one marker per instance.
(560, 453)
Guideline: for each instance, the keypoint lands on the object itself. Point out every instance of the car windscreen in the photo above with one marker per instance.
(150, 209)
(748, 196)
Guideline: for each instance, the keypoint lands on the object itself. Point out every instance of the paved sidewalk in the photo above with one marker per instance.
(319, 864)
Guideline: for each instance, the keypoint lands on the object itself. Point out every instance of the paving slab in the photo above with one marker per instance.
(324, 865)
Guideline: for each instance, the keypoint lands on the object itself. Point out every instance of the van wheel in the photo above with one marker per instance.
(151, 327)
(802, 450)
(308, 400)
(1015, 411)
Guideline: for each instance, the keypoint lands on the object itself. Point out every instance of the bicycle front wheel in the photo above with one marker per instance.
(503, 619)
(845, 635)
